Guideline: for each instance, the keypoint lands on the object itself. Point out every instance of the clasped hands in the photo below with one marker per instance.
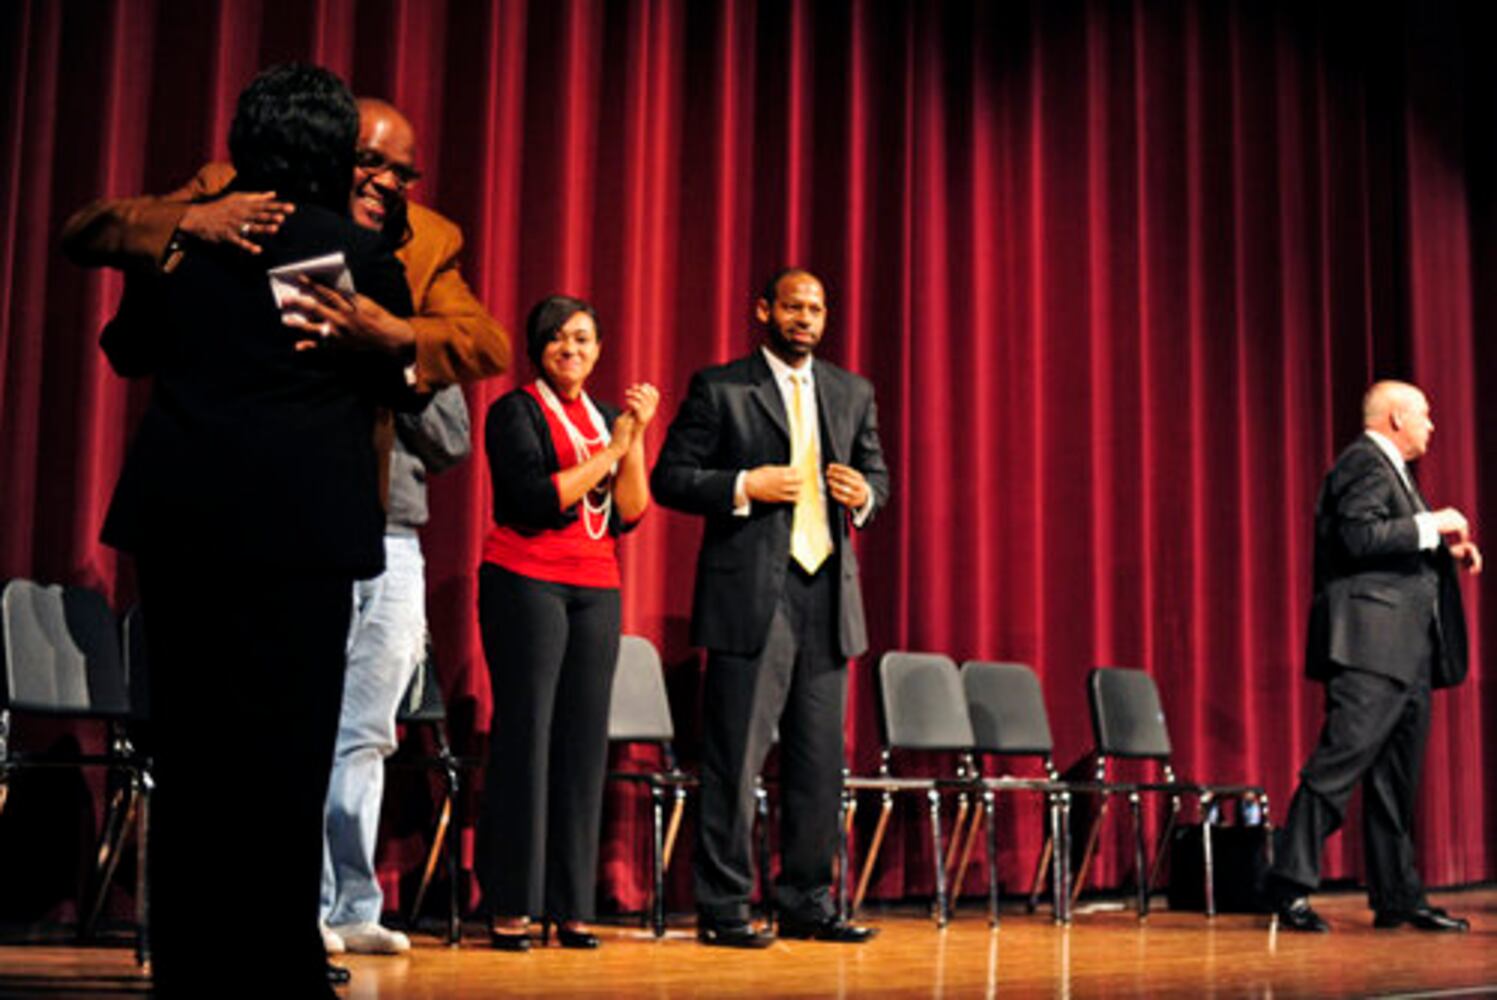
(1456, 531)
(641, 400)
(783, 483)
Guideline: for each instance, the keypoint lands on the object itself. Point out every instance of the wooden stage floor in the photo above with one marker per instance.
(1102, 954)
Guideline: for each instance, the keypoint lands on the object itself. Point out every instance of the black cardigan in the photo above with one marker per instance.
(522, 461)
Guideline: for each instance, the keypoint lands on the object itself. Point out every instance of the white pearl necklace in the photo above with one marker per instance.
(595, 513)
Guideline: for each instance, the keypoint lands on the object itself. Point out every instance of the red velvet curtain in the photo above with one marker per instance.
(1119, 272)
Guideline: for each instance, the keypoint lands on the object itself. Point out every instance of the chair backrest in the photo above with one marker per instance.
(1127, 718)
(61, 652)
(1007, 709)
(640, 711)
(422, 701)
(923, 704)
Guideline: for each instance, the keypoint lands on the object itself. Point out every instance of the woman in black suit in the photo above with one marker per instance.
(250, 500)
(569, 476)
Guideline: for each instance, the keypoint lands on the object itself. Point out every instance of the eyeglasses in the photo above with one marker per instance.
(377, 163)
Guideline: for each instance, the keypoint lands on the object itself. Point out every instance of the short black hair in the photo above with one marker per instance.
(294, 133)
(771, 289)
(549, 315)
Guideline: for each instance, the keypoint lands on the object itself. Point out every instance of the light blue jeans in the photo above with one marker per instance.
(385, 644)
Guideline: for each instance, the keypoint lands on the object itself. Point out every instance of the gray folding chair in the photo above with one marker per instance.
(60, 657)
(1009, 720)
(1128, 724)
(640, 712)
(924, 711)
(422, 707)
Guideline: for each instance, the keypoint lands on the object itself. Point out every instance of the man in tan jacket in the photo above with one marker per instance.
(450, 338)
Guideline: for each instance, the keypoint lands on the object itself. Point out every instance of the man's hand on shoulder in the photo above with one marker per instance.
(773, 484)
(235, 217)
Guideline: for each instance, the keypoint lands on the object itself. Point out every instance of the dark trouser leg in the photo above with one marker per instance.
(579, 753)
(811, 754)
(1389, 792)
(245, 698)
(524, 628)
(1362, 709)
(741, 702)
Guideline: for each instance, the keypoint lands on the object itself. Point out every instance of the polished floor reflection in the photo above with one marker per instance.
(1101, 954)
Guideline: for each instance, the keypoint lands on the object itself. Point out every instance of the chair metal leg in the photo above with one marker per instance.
(968, 842)
(673, 827)
(990, 812)
(943, 911)
(1060, 835)
(1140, 863)
(1161, 849)
(1093, 834)
(885, 808)
(1208, 862)
(657, 856)
(454, 901)
(117, 823)
(142, 883)
(1047, 851)
(847, 806)
(957, 825)
(766, 883)
(433, 856)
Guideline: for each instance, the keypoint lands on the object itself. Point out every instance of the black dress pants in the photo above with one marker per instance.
(552, 650)
(245, 686)
(1374, 734)
(799, 681)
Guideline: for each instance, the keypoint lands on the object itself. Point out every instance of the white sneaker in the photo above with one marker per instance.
(332, 941)
(372, 939)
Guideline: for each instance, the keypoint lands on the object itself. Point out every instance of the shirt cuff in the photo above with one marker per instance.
(863, 513)
(1429, 535)
(741, 503)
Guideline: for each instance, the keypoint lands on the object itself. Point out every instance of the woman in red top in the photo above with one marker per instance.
(569, 475)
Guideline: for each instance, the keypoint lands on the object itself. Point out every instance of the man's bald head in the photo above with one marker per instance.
(385, 164)
(1400, 412)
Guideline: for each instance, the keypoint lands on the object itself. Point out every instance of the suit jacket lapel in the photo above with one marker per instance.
(831, 413)
(767, 394)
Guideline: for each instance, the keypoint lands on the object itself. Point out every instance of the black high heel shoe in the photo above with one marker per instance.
(515, 939)
(568, 938)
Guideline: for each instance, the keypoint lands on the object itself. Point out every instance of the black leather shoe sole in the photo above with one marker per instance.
(837, 932)
(1301, 919)
(576, 939)
(509, 942)
(733, 936)
(1425, 920)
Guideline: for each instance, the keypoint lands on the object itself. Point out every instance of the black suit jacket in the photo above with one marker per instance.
(1380, 604)
(251, 452)
(733, 419)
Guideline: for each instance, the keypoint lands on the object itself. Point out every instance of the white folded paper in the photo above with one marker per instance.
(329, 269)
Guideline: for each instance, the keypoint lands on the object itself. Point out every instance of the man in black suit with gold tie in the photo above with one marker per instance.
(1386, 627)
(780, 454)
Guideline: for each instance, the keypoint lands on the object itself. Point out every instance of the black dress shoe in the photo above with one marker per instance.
(568, 938)
(509, 940)
(1296, 915)
(732, 934)
(1424, 918)
(338, 975)
(831, 929)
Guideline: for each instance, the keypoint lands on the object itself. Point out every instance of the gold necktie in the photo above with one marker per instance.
(810, 535)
